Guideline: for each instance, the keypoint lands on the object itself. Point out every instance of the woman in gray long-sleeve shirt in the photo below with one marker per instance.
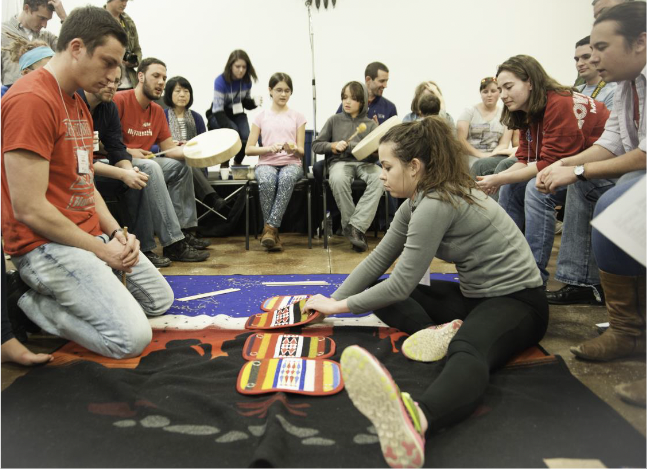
(500, 301)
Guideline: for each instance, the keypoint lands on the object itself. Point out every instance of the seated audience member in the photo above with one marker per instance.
(555, 123)
(479, 129)
(142, 125)
(30, 25)
(428, 105)
(593, 85)
(29, 55)
(69, 251)
(423, 89)
(185, 124)
(148, 199)
(498, 310)
(231, 97)
(618, 40)
(376, 77)
(343, 167)
(283, 131)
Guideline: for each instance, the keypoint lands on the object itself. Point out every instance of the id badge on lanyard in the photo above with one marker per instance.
(83, 161)
(237, 108)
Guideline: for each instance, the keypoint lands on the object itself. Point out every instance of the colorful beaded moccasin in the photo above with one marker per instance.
(281, 301)
(275, 345)
(394, 414)
(292, 315)
(430, 344)
(303, 376)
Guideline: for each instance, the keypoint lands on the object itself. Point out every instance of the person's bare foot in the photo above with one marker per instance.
(14, 351)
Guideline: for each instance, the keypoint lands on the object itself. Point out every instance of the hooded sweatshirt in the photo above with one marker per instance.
(341, 127)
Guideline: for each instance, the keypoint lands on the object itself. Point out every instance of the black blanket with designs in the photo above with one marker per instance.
(177, 406)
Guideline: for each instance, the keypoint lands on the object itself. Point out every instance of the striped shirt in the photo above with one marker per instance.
(620, 135)
(226, 94)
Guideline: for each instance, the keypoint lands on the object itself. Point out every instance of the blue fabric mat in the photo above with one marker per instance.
(252, 292)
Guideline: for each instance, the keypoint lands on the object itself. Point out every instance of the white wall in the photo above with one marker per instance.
(453, 42)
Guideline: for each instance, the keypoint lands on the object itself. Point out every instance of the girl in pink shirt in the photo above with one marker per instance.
(279, 167)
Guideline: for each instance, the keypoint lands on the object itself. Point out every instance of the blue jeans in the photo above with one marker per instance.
(239, 123)
(152, 209)
(540, 223)
(609, 256)
(575, 262)
(78, 297)
(275, 185)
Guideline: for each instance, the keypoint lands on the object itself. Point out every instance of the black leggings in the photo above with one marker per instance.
(494, 330)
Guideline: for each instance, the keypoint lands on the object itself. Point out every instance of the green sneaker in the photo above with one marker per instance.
(394, 414)
(430, 344)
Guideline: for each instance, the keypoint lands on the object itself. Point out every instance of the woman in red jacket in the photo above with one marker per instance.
(555, 122)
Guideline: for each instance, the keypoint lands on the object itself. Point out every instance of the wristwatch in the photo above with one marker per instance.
(579, 172)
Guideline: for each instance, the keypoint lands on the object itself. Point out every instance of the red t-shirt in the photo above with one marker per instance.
(141, 128)
(34, 119)
(570, 125)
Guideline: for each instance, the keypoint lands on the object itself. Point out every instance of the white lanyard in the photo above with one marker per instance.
(82, 155)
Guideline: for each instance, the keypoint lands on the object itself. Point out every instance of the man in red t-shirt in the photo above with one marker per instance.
(55, 225)
(144, 124)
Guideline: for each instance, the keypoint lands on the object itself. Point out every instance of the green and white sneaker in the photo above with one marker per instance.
(394, 414)
(430, 344)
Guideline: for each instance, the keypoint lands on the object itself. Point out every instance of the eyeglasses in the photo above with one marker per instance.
(280, 91)
(493, 79)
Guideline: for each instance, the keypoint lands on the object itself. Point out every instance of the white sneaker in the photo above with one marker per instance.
(430, 344)
(394, 414)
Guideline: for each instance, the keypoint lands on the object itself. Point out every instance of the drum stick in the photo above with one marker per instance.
(361, 128)
(189, 144)
(123, 274)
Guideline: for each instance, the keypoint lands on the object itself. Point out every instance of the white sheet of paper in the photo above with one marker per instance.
(623, 222)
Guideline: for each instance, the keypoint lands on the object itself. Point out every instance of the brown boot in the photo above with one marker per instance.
(625, 300)
(633, 392)
(278, 246)
(268, 239)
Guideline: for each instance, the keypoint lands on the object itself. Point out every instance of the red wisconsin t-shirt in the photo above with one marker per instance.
(570, 125)
(141, 128)
(34, 119)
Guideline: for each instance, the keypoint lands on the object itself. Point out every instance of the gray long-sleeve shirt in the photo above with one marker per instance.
(491, 254)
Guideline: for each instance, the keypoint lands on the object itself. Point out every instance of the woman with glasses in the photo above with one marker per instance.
(283, 132)
(479, 128)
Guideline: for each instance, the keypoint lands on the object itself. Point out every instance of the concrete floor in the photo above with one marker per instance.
(569, 325)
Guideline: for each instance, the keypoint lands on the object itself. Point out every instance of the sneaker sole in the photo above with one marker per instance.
(373, 392)
(430, 344)
(268, 243)
(191, 260)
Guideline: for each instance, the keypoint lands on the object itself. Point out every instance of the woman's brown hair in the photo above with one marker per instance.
(432, 141)
(20, 46)
(527, 68)
(420, 89)
(250, 73)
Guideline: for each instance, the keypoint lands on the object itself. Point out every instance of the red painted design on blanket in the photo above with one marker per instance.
(394, 335)
(260, 409)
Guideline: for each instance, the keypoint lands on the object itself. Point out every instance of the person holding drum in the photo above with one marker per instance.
(231, 96)
(142, 125)
(344, 167)
(279, 167)
(185, 124)
(497, 310)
